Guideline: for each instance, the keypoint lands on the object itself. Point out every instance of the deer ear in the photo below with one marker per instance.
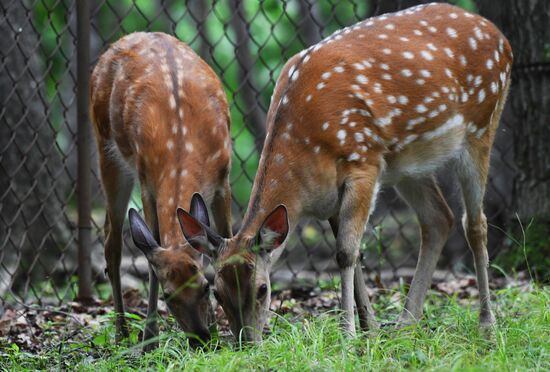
(198, 209)
(274, 230)
(196, 233)
(141, 235)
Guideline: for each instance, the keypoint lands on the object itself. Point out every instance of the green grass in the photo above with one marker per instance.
(447, 339)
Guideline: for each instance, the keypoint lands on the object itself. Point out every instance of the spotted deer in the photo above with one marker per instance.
(160, 115)
(384, 102)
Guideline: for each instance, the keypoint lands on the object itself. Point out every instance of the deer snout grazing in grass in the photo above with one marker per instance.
(179, 270)
(384, 102)
(242, 268)
(160, 116)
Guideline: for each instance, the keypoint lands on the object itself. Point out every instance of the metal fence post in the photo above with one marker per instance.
(83, 144)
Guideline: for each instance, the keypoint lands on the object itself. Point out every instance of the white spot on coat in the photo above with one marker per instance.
(362, 79)
(453, 122)
(341, 135)
(451, 32)
(431, 47)
(427, 55)
(481, 95)
(425, 73)
(421, 108)
(413, 122)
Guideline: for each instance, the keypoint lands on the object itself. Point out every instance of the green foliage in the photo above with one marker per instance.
(468, 5)
(529, 250)
(447, 339)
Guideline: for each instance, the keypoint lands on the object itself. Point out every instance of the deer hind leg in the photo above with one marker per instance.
(117, 186)
(151, 326)
(221, 209)
(353, 215)
(472, 173)
(472, 169)
(365, 311)
(436, 221)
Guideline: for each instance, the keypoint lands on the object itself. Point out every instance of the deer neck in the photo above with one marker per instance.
(275, 184)
(175, 189)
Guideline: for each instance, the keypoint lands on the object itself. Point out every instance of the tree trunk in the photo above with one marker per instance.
(525, 23)
(33, 182)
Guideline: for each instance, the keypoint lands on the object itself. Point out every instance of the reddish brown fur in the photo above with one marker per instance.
(326, 105)
(142, 128)
(389, 122)
(160, 111)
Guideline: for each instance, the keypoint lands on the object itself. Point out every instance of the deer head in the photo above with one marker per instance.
(242, 266)
(180, 273)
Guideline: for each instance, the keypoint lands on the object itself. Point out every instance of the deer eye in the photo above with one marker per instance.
(262, 290)
(217, 297)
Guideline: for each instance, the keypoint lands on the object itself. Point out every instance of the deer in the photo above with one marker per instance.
(382, 103)
(161, 116)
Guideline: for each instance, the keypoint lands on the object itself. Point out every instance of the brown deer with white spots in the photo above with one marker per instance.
(160, 114)
(385, 102)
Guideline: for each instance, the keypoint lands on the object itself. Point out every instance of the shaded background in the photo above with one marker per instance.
(246, 43)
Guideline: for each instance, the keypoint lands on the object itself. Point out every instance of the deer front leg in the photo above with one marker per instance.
(117, 192)
(151, 323)
(365, 311)
(151, 329)
(113, 247)
(354, 213)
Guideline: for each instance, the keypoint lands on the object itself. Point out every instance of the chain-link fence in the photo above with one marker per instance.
(246, 43)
